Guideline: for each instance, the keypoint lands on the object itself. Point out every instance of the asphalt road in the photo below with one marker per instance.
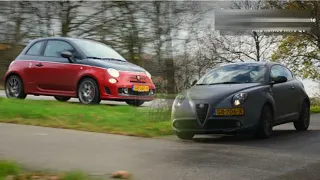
(155, 103)
(287, 155)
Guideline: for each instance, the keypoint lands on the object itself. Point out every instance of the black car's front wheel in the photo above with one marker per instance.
(185, 135)
(14, 87)
(62, 98)
(88, 91)
(265, 126)
(304, 120)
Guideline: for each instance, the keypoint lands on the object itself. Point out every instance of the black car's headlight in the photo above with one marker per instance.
(179, 99)
(239, 99)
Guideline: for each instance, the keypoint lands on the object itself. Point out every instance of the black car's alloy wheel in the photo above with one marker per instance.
(14, 87)
(88, 92)
(185, 135)
(135, 102)
(304, 120)
(265, 126)
(62, 98)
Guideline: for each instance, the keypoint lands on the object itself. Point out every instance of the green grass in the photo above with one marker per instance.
(315, 109)
(76, 175)
(315, 105)
(15, 170)
(125, 120)
(165, 96)
(8, 168)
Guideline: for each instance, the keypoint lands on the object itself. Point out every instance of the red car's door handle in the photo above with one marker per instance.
(39, 65)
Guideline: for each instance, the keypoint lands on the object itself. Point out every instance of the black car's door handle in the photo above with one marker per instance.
(291, 87)
(39, 65)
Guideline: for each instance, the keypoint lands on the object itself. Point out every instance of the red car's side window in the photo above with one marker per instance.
(35, 49)
(54, 48)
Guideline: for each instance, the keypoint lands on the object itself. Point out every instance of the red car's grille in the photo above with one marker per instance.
(134, 79)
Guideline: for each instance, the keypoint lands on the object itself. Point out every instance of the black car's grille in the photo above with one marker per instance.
(222, 124)
(186, 124)
(202, 111)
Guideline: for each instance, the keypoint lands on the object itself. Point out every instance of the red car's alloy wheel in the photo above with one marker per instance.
(14, 87)
(88, 92)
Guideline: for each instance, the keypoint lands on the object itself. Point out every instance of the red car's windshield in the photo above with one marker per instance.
(96, 49)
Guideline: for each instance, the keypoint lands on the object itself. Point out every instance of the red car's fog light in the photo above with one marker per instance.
(112, 80)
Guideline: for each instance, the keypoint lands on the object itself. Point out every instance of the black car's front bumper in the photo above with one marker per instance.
(211, 126)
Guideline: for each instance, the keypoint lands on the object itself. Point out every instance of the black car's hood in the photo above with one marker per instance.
(118, 65)
(218, 91)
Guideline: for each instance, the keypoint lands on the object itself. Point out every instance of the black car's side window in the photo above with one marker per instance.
(287, 73)
(55, 47)
(278, 70)
(35, 49)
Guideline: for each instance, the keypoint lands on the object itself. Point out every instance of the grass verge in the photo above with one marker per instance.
(124, 120)
(315, 109)
(165, 96)
(10, 170)
(315, 105)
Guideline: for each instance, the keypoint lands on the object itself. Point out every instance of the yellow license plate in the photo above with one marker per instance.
(229, 112)
(141, 88)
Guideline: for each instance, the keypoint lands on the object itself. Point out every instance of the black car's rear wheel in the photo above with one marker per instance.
(14, 87)
(185, 135)
(62, 98)
(304, 120)
(265, 126)
(135, 102)
(88, 91)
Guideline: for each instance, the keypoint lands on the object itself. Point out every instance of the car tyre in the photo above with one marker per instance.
(88, 91)
(185, 135)
(136, 103)
(265, 126)
(62, 98)
(14, 87)
(304, 120)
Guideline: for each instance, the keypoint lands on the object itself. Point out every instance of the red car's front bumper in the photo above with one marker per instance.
(122, 89)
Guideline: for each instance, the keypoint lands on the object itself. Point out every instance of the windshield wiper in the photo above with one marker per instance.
(231, 82)
(113, 59)
(91, 57)
(110, 59)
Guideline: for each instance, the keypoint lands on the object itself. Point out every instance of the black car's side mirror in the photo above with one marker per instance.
(194, 82)
(68, 55)
(279, 79)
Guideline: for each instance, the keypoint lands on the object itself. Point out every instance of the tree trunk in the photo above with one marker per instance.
(257, 44)
(169, 59)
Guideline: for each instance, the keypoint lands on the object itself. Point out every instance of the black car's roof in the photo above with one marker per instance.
(61, 38)
(266, 63)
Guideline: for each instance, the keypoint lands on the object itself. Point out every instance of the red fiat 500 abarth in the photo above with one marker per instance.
(77, 68)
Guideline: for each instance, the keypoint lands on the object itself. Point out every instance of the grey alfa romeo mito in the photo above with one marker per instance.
(239, 98)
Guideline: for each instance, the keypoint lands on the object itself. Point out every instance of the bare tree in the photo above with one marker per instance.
(254, 46)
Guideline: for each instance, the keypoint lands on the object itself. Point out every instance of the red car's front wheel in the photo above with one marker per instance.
(14, 87)
(88, 91)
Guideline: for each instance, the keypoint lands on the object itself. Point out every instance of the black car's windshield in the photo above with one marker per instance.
(234, 73)
(98, 50)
